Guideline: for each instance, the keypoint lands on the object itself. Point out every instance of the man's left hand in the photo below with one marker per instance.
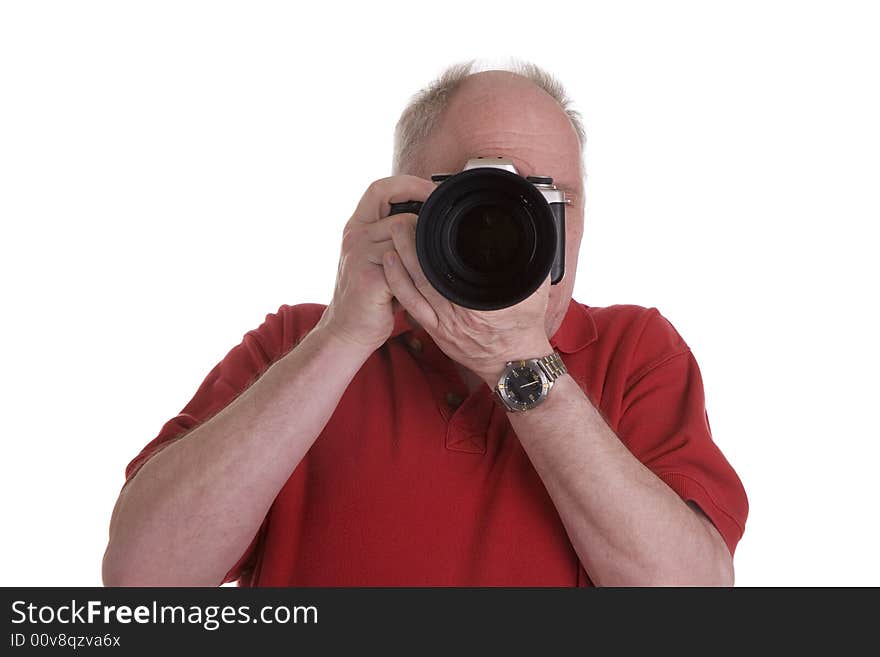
(481, 341)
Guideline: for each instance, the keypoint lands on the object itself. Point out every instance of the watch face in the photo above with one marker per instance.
(523, 386)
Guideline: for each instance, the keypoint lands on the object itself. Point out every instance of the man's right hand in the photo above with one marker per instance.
(362, 309)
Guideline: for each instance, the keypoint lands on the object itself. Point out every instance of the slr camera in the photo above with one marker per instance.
(486, 237)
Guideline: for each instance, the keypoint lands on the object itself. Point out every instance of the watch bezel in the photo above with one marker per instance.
(504, 395)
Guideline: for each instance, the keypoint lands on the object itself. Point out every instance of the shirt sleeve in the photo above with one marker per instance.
(241, 366)
(665, 424)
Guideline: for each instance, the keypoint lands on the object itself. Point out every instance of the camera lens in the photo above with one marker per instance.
(486, 238)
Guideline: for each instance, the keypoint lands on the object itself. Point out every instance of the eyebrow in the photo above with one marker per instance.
(525, 169)
(570, 191)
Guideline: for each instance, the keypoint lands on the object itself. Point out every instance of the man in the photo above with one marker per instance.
(359, 444)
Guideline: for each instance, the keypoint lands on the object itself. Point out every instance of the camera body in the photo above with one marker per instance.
(486, 237)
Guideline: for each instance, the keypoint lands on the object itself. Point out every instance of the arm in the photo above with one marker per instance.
(191, 511)
(628, 527)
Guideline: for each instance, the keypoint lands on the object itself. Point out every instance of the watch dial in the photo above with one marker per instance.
(523, 385)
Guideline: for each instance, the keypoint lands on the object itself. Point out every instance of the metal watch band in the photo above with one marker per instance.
(552, 365)
(552, 368)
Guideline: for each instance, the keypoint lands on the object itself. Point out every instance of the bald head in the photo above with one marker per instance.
(427, 107)
(502, 113)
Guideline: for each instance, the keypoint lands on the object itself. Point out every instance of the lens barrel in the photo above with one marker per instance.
(486, 238)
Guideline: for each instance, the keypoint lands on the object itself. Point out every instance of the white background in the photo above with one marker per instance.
(171, 172)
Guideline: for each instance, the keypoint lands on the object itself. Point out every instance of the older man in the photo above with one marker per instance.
(359, 444)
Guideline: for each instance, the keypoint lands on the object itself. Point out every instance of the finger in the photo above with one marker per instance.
(380, 231)
(375, 250)
(404, 238)
(376, 201)
(403, 289)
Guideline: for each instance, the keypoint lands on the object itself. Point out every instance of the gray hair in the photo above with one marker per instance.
(426, 107)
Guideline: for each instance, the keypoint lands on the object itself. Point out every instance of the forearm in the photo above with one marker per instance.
(189, 514)
(626, 525)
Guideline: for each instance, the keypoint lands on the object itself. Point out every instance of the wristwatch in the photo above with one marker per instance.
(526, 383)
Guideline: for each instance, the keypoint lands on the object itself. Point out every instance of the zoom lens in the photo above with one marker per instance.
(486, 238)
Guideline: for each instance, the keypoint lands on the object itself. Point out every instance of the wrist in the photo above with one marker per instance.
(565, 389)
(535, 348)
(325, 336)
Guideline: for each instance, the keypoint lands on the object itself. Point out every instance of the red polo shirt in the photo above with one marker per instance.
(416, 482)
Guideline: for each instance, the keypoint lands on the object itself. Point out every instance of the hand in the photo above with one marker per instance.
(482, 341)
(362, 309)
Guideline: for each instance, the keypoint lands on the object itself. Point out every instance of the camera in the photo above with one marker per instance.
(486, 237)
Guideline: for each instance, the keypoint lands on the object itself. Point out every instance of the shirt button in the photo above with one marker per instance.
(453, 399)
(415, 344)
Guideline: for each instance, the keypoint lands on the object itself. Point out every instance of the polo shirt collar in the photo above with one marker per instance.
(578, 329)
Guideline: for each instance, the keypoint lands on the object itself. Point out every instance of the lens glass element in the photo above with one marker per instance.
(488, 238)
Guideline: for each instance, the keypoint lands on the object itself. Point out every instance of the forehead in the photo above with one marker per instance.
(506, 115)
